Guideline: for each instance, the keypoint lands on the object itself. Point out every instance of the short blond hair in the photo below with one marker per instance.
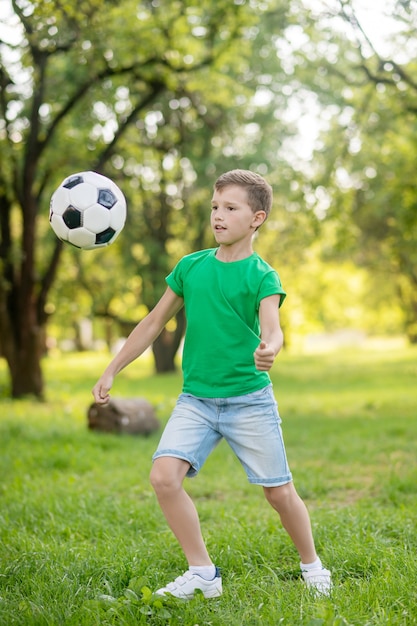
(258, 190)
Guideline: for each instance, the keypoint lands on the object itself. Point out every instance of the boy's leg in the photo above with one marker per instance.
(167, 476)
(294, 517)
(296, 521)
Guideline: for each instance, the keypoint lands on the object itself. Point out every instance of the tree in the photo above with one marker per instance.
(186, 137)
(365, 101)
(77, 83)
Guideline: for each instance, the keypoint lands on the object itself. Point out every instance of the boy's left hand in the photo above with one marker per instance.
(264, 357)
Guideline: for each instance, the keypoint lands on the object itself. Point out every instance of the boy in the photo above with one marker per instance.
(232, 299)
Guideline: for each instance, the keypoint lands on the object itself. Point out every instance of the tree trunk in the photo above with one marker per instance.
(165, 347)
(22, 312)
(411, 324)
(407, 291)
(23, 356)
(26, 370)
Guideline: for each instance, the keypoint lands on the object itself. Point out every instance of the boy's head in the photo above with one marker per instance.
(258, 190)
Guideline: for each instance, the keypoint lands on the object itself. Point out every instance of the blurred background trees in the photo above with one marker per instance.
(163, 97)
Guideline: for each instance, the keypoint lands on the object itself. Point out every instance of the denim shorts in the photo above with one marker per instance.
(250, 424)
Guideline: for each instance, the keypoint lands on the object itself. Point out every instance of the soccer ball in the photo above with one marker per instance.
(87, 210)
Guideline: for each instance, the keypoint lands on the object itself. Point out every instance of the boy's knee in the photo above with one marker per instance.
(280, 496)
(160, 480)
(164, 475)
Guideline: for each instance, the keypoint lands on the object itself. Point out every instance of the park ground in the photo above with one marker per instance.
(83, 543)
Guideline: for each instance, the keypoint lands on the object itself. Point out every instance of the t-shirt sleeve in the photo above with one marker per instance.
(270, 286)
(175, 279)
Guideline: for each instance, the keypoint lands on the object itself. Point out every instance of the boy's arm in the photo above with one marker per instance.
(272, 337)
(139, 339)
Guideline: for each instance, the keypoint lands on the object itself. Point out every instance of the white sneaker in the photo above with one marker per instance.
(184, 586)
(318, 580)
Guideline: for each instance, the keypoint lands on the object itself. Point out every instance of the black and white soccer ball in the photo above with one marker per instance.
(87, 210)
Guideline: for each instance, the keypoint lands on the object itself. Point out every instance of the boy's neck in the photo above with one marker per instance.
(229, 254)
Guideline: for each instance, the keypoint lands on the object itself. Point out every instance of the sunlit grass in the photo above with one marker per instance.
(83, 542)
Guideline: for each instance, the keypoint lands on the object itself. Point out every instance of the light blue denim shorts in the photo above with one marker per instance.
(250, 424)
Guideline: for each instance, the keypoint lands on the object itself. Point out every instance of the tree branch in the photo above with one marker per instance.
(157, 87)
(48, 279)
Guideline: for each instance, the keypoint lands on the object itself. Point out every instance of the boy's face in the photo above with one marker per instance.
(232, 219)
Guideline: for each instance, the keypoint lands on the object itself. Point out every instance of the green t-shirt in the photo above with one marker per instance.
(222, 309)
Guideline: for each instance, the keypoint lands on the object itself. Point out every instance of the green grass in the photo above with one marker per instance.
(83, 543)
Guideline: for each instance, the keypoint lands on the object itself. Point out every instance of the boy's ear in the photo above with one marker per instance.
(259, 218)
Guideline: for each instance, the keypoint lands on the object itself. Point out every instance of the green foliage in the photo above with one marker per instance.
(82, 540)
(164, 96)
(363, 162)
(149, 94)
(167, 163)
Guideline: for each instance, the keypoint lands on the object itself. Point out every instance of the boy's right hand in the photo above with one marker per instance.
(101, 389)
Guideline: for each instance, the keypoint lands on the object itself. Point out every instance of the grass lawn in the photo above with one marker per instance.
(83, 543)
